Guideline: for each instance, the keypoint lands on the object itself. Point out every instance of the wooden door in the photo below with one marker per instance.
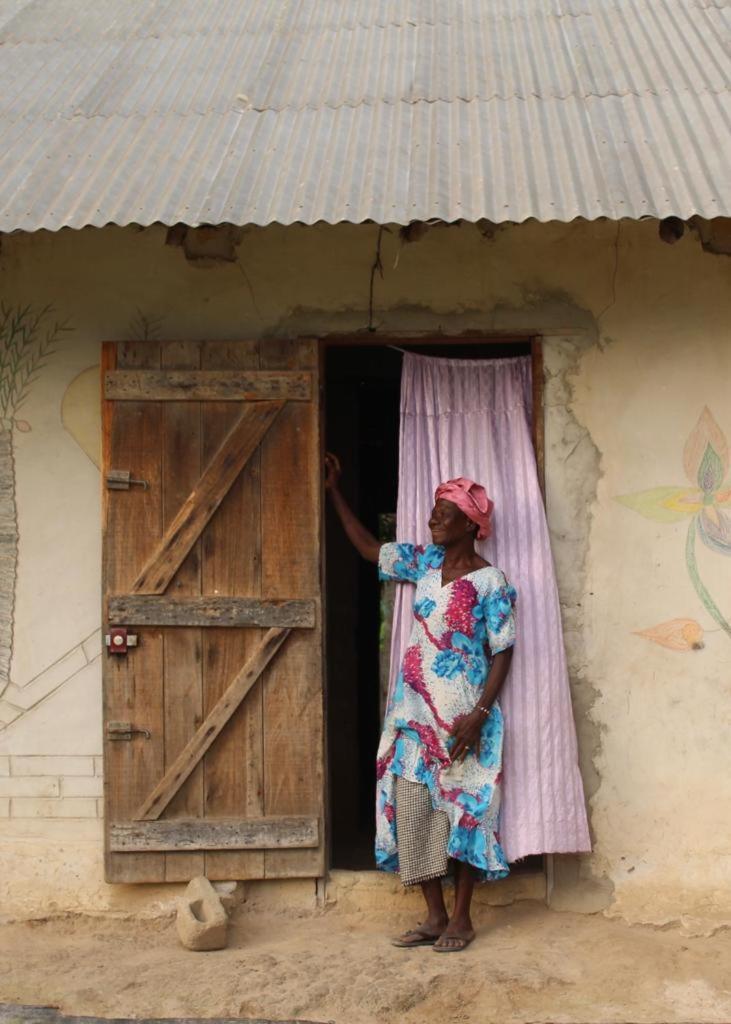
(213, 720)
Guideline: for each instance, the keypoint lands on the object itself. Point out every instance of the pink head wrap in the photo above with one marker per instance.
(471, 498)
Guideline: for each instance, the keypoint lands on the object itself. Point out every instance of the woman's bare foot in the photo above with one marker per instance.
(456, 936)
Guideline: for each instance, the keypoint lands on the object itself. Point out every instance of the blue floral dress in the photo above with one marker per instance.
(457, 630)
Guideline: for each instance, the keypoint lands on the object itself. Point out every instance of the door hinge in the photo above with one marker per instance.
(121, 480)
(124, 731)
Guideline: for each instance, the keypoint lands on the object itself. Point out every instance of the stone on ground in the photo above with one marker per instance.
(202, 921)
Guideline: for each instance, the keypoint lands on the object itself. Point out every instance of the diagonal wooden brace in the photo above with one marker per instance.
(212, 725)
(198, 508)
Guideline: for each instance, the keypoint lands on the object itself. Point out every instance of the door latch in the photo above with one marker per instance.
(124, 731)
(118, 640)
(121, 480)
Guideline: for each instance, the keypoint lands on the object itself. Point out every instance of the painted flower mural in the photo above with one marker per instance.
(706, 504)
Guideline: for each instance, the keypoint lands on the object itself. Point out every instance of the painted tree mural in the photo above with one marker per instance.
(28, 337)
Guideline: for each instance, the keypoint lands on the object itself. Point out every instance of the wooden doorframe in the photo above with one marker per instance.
(406, 340)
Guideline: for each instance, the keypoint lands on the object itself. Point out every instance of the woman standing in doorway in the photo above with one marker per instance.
(440, 756)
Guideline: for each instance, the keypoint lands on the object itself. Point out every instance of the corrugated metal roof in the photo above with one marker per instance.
(352, 110)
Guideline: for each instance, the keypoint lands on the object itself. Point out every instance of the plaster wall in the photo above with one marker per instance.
(636, 347)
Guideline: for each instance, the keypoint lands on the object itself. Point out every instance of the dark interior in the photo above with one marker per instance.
(362, 388)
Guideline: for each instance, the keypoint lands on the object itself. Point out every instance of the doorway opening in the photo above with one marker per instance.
(362, 397)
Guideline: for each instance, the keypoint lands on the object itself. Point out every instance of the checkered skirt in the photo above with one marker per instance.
(422, 834)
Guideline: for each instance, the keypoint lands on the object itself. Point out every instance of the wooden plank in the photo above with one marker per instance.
(284, 832)
(153, 805)
(182, 648)
(232, 567)
(133, 685)
(231, 612)
(293, 684)
(220, 473)
(108, 362)
(208, 385)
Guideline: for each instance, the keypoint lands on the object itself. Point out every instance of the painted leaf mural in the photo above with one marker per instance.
(706, 441)
(714, 529)
(704, 503)
(664, 504)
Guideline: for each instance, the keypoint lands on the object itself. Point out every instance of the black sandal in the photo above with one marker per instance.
(421, 938)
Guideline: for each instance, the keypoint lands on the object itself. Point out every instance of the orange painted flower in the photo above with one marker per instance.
(677, 634)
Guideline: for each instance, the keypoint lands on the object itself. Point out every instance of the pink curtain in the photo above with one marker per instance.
(471, 417)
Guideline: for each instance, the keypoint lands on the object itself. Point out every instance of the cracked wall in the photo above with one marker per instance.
(636, 344)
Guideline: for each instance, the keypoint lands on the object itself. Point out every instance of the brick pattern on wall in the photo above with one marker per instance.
(38, 786)
(17, 700)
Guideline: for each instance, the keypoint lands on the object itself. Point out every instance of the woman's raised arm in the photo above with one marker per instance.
(362, 539)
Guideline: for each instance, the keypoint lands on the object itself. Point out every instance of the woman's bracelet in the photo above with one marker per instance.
(485, 711)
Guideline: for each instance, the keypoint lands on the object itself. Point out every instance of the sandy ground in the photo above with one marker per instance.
(528, 964)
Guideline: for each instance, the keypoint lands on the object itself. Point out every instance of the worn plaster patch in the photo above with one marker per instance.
(536, 313)
(715, 235)
(572, 467)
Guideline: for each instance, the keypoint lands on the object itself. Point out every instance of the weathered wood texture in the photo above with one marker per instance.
(223, 469)
(232, 568)
(293, 695)
(188, 758)
(208, 385)
(253, 834)
(133, 685)
(232, 612)
(240, 553)
(182, 648)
